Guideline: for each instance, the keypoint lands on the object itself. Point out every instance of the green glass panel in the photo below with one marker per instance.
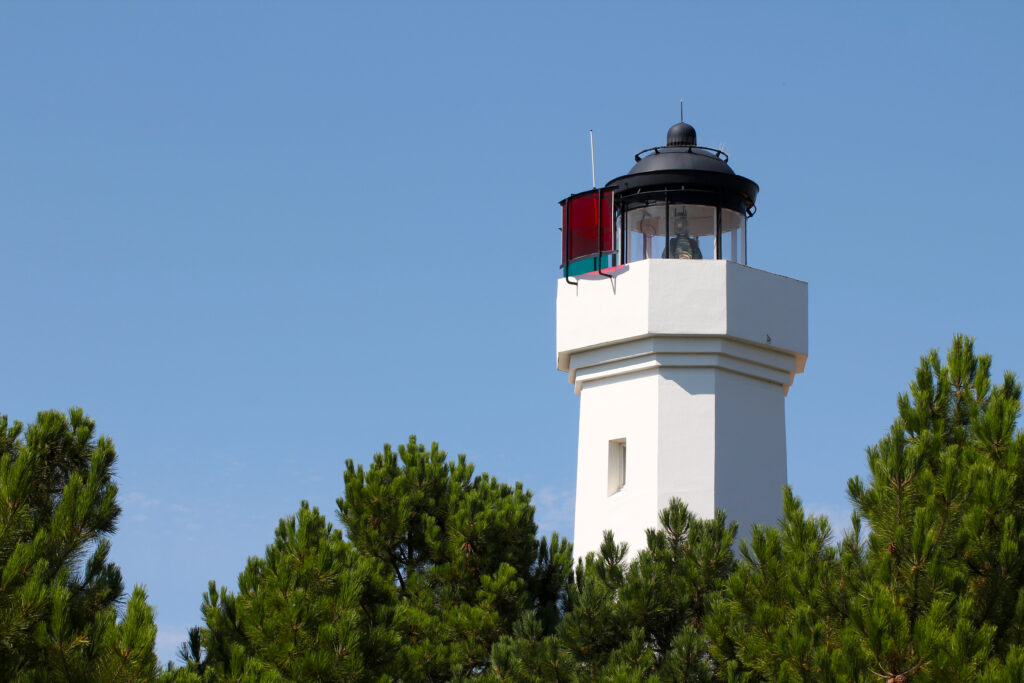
(589, 265)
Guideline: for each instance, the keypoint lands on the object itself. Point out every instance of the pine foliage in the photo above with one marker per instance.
(632, 621)
(59, 594)
(434, 566)
(437, 574)
(933, 590)
(941, 591)
(928, 585)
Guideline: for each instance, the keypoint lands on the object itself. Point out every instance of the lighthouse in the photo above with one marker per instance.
(681, 352)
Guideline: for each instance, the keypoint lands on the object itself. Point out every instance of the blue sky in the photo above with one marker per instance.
(254, 240)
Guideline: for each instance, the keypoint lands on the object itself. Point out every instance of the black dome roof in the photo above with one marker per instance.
(684, 165)
(681, 159)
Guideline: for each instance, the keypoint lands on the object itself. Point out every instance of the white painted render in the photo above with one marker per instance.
(688, 362)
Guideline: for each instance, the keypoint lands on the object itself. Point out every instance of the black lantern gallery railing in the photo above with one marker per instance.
(681, 201)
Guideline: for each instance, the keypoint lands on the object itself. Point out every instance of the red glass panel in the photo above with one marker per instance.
(583, 223)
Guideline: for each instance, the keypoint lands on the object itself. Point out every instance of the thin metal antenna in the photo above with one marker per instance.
(593, 173)
(680, 111)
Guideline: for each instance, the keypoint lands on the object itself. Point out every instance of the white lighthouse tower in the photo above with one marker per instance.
(680, 352)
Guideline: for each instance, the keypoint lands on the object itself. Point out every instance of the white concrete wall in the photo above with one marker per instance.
(750, 449)
(686, 439)
(687, 298)
(611, 410)
(689, 362)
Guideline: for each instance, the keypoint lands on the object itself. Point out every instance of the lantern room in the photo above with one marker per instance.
(680, 201)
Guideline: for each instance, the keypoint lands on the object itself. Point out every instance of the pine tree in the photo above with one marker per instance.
(941, 594)
(928, 585)
(435, 565)
(311, 609)
(781, 613)
(462, 550)
(58, 615)
(631, 621)
(934, 591)
(439, 575)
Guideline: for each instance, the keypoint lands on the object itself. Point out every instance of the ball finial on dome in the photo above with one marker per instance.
(682, 135)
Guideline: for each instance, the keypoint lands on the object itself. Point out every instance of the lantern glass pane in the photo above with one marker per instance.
(646, 228)
(691, 231)
(734, 233)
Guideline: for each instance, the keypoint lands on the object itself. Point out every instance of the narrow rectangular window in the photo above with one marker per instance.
(616, 465)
